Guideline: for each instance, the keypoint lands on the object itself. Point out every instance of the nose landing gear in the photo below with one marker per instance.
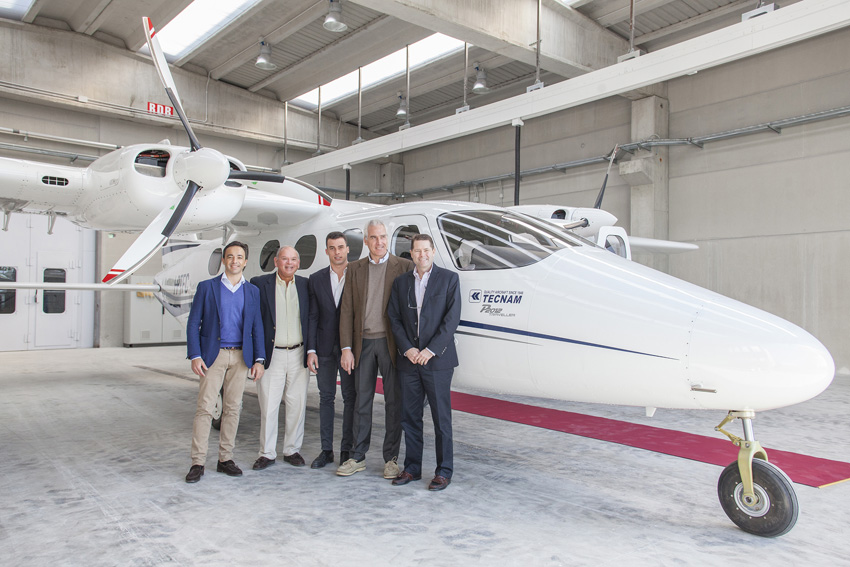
(756, 495)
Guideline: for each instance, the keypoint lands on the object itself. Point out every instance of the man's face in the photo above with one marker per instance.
(337, 252)
(376, 241)
(287, 263)
(423, 255)
(234, 260)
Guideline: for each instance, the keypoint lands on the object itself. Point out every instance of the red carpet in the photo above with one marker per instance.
(803, 469)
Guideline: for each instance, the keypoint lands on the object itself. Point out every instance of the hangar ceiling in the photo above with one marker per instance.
(577, 36)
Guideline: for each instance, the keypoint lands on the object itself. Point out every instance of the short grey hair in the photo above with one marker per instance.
(284, 247)
(374, 222)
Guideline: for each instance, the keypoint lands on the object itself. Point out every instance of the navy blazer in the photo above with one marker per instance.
(203, 330)
(266, 284)
(323, 336)
(438, 321)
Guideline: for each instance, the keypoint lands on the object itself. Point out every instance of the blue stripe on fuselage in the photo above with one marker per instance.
(552, 338)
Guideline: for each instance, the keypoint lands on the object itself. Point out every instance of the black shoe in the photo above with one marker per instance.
(439, 483)
(323, 459)
(295, 460)
(229, 468)
(262, 463)
(404, 478)
(195, 473)
(344, 456)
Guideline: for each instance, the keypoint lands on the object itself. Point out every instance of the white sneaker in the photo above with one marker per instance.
(391, 469)
(350, 467)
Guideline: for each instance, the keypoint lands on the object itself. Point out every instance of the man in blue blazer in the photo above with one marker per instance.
(323, 354)
(285, 308)
(224, 337)
(424, 312)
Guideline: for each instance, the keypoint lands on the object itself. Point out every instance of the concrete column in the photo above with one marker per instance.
(392, 178)
(647, 174)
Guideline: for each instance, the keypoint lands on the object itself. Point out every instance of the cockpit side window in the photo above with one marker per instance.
(497, 240)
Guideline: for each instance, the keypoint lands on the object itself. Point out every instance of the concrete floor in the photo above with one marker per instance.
(94, 445)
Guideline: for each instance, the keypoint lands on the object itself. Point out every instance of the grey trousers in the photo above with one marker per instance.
(375, 356)
(326, 380)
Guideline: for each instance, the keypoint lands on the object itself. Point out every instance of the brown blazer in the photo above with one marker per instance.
(353, 303)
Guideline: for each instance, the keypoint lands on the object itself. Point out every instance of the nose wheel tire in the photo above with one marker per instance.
(774, 509)
(219, 405)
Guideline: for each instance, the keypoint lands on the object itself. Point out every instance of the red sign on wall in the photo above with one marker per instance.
(163, 109)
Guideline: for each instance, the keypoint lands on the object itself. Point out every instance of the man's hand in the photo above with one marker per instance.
(347, 360)
(256, 372)
(412, 354)
(423, 357)
(198, 366)
(313, 362)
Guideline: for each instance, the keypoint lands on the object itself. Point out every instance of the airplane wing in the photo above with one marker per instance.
(264, 211)
(640, 244)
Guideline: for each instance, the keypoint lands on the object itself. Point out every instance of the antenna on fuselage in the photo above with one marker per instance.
(598, 204)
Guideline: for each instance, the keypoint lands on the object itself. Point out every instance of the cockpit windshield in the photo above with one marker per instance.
(498, 240)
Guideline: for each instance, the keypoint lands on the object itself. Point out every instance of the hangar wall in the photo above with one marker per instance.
(769, 211)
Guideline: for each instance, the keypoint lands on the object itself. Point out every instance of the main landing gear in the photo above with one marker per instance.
(756, 495)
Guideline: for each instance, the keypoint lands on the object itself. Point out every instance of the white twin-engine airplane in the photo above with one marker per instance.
(548, 311)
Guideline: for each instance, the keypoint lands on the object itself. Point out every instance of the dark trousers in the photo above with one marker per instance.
(417, 384)
(326, 380)
(375, 356)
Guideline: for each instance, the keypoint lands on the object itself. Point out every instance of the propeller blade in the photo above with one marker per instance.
(255, 176)
(145, 246)
(598, 204)
(167, 80)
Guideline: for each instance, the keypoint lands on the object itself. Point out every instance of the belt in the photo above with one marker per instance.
(290, 347)
(231, 348)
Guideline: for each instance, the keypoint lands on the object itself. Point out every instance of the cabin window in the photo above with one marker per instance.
(267, 255)
(7, 296)
(402, 239)
(53, 299)
(306, 248)
(615, 243)
(151, 163)
(214, 264)
(497, 240)
(354, 239)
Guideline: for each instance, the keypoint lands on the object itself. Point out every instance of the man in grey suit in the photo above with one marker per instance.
(367, 345)
(424, 312)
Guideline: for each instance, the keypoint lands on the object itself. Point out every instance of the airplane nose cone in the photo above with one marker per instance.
(738, 353)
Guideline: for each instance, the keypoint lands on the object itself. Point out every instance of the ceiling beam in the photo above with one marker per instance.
(621, 14)
(786, 26)
(695, 21)
(571, 43)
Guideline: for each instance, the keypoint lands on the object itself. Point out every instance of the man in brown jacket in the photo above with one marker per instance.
(367, 344)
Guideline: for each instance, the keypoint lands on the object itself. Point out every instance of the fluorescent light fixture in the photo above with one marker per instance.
(333, 21)
(264, 59)
(199, 21)
(480, 86)
(15, 9)
(421, 53)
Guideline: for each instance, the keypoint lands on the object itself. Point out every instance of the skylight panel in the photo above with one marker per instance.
(14, 9)
(196, 23)
(421, 53)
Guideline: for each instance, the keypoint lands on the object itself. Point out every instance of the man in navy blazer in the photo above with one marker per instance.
(323, 354)
(285, 308)
(424, 312)
(224, 337)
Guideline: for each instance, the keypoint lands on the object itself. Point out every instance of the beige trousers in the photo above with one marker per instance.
(285, 378)
(229, 371)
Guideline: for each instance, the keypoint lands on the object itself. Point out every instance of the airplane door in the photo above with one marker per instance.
(402, 229)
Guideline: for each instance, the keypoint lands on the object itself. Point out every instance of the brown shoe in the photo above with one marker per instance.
(404, 478)
(439, 483)
(295, 460)
(195, 473)
(262, 463)
(229, 468)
